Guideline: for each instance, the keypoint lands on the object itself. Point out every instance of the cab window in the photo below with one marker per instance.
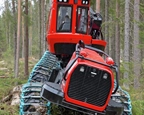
(82, 20)
(64, 17)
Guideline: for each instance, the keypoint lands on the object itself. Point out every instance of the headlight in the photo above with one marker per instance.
(63, 1)
(105, 76)
(85, 2)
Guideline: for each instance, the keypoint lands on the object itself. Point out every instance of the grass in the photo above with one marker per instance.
(137, 99)
(8, 110)
(8, 82)
(6, 85)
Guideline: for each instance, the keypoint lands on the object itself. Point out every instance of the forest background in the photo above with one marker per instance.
(24, 34)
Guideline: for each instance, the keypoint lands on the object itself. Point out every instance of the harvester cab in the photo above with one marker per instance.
(71, 21)
(75, 73)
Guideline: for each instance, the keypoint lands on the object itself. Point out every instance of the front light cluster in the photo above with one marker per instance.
(65, 1)
(85, 2)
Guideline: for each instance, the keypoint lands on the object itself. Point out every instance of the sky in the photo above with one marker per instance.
(1, 6)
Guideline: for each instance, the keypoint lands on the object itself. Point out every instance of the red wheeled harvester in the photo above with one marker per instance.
(87, 79)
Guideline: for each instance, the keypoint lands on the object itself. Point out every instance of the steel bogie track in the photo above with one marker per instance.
(43, 69)
(31, 103)
(123, 97)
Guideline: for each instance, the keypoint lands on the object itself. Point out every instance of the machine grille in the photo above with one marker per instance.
(90, 85)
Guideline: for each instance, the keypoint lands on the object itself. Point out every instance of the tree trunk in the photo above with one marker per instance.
(45, 23)
(126, 44)
(15, 32)
(112, 37)
(42, 27)
(7, 22)
(106, 25)
(97, 6)
(23, 37)
(50, 4)
(26, 38)
(18, 39)
(117, 36)
(31, 32)
(136, 52)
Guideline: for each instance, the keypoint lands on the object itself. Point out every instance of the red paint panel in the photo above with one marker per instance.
(94, 56)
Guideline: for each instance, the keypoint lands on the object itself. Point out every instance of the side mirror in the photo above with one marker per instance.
(110, 61)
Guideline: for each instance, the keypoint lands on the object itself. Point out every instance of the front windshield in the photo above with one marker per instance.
(64, 18)
(82, 19)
